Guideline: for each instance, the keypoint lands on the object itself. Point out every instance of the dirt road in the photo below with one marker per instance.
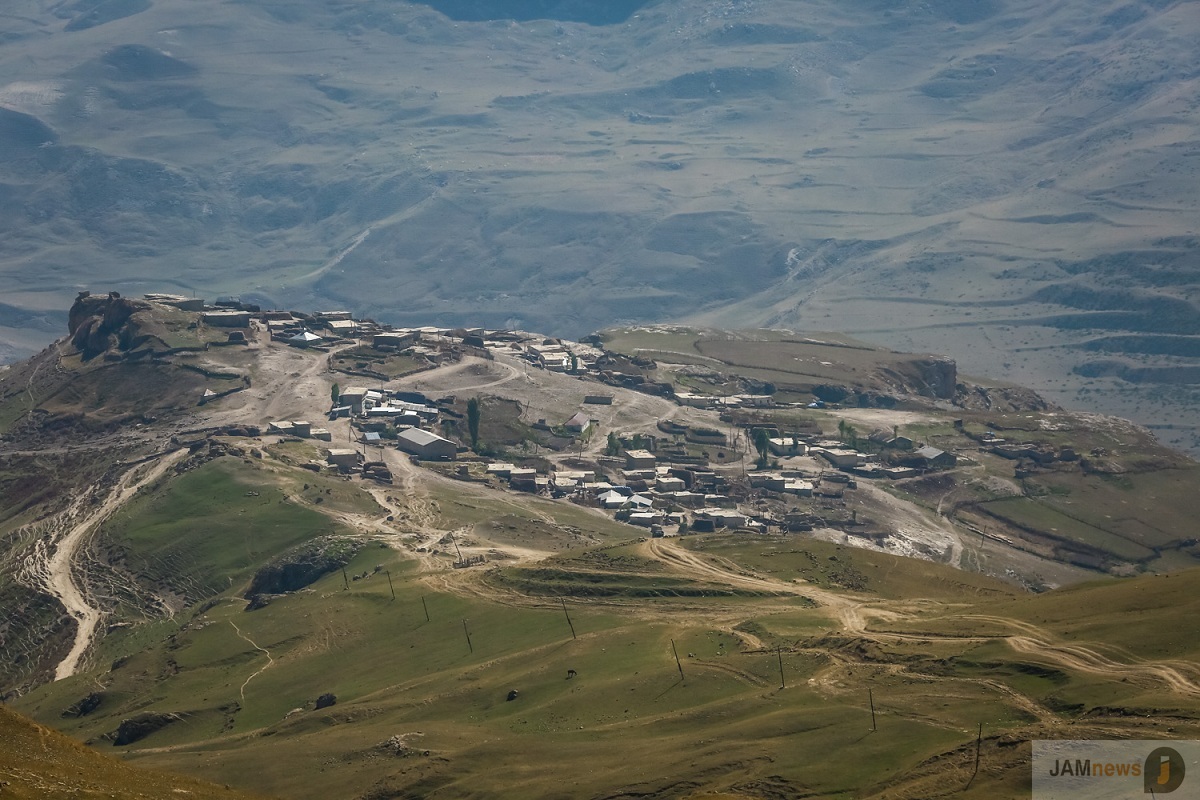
(69, 534)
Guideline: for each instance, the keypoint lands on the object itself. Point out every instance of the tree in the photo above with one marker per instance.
(613, 448)
(335, 392)
(574, 363)
(473, 420)
(842, 429)
(762, 443)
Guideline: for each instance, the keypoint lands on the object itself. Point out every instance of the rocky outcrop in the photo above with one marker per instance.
(1000, 398)
(137, 728)
(300, 567)
(935, 377)
(99, 324)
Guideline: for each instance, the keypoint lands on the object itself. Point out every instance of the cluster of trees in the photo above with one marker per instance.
(847, 433)
(613, 447)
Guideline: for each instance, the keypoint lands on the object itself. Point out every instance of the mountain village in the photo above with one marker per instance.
(719, 462)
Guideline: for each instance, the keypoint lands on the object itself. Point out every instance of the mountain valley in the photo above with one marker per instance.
(1009, 183)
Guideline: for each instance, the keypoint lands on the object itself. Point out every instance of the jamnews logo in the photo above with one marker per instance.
(1164, 771)
(1100, 769)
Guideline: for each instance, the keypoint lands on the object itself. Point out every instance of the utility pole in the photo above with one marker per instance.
(390, 586)
(871, 698)
(468, 634)
(779, 654)
(677, 662)
(426, 607)
(344, 578)
(568, 616)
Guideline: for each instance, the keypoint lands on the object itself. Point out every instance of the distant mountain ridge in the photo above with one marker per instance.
(1008, 182)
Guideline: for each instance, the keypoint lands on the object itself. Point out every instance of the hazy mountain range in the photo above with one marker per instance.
(1006, 181)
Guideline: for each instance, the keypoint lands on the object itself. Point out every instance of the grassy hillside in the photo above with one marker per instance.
(214, 527)
(39, 763)
(1007, 182)
(423, 711)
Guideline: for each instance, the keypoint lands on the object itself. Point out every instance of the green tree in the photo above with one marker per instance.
(762, 443)
(574, 363)
(473, 420)
(613, 448)
(335, 392)
(842, 429)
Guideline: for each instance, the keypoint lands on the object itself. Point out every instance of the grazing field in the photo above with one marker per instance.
(421, 704)
(212, 528)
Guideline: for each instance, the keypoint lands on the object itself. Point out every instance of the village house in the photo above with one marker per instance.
(344, 459)
(644, 519)
(579, 423)
(899, 472)
(612, 499)
(344, 328)
(798, 487)
(573, 478)
(226, 319)
(639, 459)
(841, 457)
(787, 446)
(693, 400)
(669, 484)
(397, 339)
(933, 458)
(723, 517)
(353, 397)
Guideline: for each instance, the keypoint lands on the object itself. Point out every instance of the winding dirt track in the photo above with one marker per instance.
(57, 572)
(852, 613)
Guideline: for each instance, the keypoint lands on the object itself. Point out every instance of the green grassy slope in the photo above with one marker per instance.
(422, 712)
(39, 763)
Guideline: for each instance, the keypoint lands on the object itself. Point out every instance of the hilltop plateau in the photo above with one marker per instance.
(310, 555)
(1008, 182)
